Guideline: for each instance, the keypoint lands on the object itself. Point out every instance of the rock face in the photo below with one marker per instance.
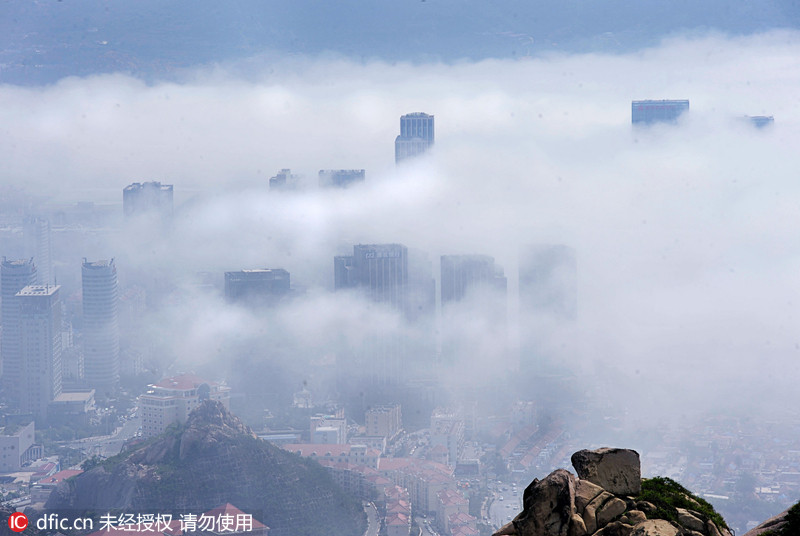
(562, 505)
(615, 470)
(215, 459)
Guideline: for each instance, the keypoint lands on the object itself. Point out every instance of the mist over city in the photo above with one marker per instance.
(553, 270)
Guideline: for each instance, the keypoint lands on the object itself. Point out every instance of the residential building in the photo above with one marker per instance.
(340, 178)
(648, 112)
(384, 421)
(172, 399)
(328, 429)
(40, 316)
(416, 136)
(346, 453)
(447, 430)
(17, 447)
(147, 198)
(100, 325)
(14, 276)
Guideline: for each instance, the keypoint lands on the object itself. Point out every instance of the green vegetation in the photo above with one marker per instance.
(667, 495)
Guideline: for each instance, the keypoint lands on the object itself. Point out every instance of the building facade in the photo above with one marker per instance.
(17, 447)
(100, 325)
(143, 198)
(548, 281)
(384, 421)
(462, 273)
(416, 136)
(172, 399)
(648, 112)
(256, 287)
(40, 347)
(14, 276)
(38, 245)
(341, 178)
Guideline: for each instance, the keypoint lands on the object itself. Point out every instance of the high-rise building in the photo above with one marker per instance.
(548, 281)
(474, 310)
(384, 421)
(14, 276)
(464, 273)
(40, 347)
(648, 112)
(36, 232)
(380, 270)
(340, 178)
(284, 180)
(256, 287)
(147, 198)
(416, 136)
(100, 325)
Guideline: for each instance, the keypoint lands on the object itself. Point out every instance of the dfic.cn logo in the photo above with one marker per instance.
(18, 522)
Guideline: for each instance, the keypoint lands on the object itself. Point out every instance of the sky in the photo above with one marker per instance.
(685, 235)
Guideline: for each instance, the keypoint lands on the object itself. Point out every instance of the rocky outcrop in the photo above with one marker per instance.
(604, 502)
(775, 525)
(615, 470)
(213, 460)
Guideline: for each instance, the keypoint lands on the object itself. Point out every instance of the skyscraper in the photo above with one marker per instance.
(474, 310)
(100, 324)
(36, 232)
(648, 112)
(284, 180)
(381, 270)
(464, 273)
(40, 347)
(416, 136)
(256, 287)
(548, 281)
(340, 178)
(143, 198)
(14, 276)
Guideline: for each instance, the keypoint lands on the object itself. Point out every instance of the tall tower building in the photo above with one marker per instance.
(416, 136)
(36, 233)
(143, 198)
(340, 178)
(648, 112)
(381, 270)
(474, 310)
(40, 347)
(14, 276)
(548, 281)
(100, 325)
(256, 287)
(463, 273)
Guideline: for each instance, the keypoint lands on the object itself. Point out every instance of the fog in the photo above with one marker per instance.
(685, 235)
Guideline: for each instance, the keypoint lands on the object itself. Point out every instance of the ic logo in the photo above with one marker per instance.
(17, 522)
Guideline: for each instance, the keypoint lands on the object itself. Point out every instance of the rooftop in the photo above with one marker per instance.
(39, 290)
(59, 476)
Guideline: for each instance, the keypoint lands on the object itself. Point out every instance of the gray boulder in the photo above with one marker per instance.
(615, 470)
(548, 506)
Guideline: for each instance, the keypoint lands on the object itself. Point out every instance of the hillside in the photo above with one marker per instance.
(215, 459)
